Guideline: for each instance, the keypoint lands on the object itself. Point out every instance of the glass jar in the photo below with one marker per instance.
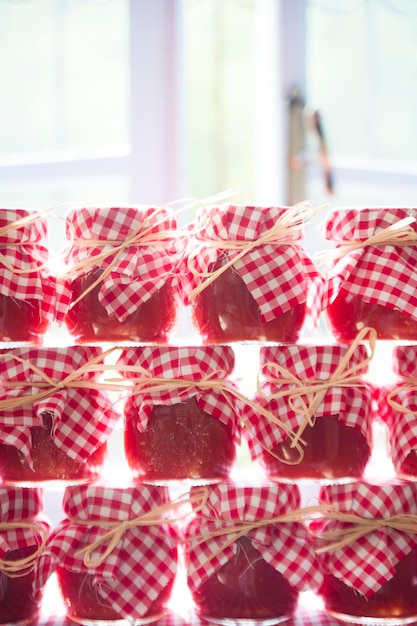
(120, 271)
(244, 563)
(54, 420)
(367, 547)
(114, 553)
(181, 417)
(397, 407)
(312, 414)
(371, 279)
(247, 277)
(23, 535)
(27, 289)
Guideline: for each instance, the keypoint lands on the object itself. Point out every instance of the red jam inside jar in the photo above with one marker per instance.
(226, 311)
(18, 605)
(22, 320)
(49, 462)
(246, 588)
(88, 321)
(84, 605)
(348, 314)
(180, 441)
(332, 451)
(393, 603)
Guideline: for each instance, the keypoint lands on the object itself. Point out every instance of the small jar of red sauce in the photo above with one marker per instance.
(247, 276)
(114, 554)
(23, 535)
(54, 418)
(367, 545)
(181, 417)
(243, 561)
(397, 407)
(27, 289)
(312, 414)
(371, 279)
(121, 262)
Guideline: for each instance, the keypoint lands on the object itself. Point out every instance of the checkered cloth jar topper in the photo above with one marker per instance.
(143, 559)
(25, 506)
(134, 246)
(168, 375)
(369, 561)
(284, 545)
(397, 405)
(381, 274)
(83, 418)
(24, 261)
(292, 367)
(276, 270)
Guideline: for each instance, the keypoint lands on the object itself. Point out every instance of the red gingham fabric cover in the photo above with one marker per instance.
(383, 275)
(402, 426)
(144, 560)
(369, 562)
(191, 363)
(36, 281)
(20, 505)
(308, 363)
(83, 419)
(140, 270)
(284, 545)
(279, 276)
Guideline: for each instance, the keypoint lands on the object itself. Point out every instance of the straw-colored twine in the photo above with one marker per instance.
(408, 384)
(336, 539)
(400, 234)
(290, 223)
(304, 396)
(21, 567)
(48, 386)
(158, 516)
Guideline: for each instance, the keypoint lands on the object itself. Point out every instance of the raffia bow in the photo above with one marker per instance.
(158, 516)
(291, 222)
(399, 234)
(21, 567)
(305, 397)
(48, 386)
(332, 540)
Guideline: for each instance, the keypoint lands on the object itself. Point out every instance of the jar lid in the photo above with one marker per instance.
(232, 501)
(19, 503)
(372, 500)
(39, 363)
(116, 223)
(367, 554)
(22, 225)
(244, 223)
(309, 362)
(190, 362)
(404, 360)
(212, 536)
(360, 223)
(103, 502)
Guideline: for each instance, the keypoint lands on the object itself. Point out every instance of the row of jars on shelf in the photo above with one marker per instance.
(184, 414)
(248, 552)
(242, 271)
